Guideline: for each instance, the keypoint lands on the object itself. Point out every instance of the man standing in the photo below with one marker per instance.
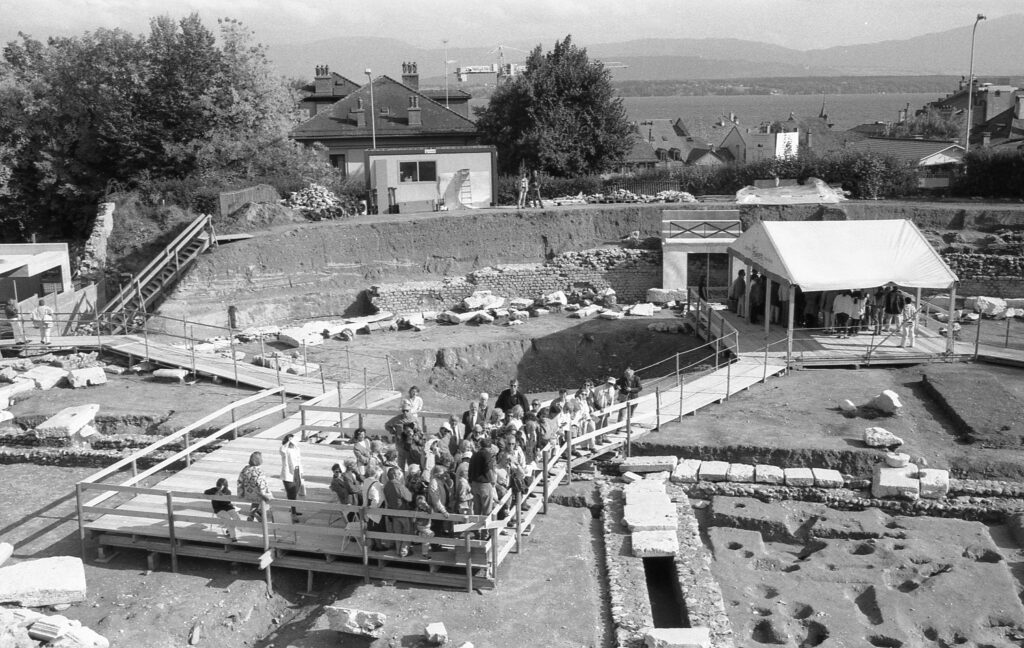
(535, 200)
(604, 397)
(471, 418)
(483, 476)
(524, 188)
(511, 397)
(291, 470)
(629, 389)
(398, 498)
(756, 297)
(739, 288)
(396, 427)
(13, 316)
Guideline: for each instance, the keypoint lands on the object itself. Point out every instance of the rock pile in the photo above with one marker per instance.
(317, 202)
(25, 628)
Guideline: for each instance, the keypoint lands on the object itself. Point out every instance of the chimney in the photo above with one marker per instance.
(411, 75)
(357, 114)
(322, 82)
(415, 117)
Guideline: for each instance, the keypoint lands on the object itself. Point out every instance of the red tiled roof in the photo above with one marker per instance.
(911, 150)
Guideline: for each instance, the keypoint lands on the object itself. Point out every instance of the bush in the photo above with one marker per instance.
(996, 174)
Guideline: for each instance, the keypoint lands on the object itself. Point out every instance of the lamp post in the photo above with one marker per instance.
(970, 87)
(373, 111)
(445, 41)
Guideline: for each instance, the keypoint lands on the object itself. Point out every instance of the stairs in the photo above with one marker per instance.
(465, 188)
(127, 310)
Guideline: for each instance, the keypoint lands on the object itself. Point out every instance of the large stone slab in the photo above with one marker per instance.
(45, 376)
(655, 544)
(171, 374)
(648, 464)
(743, 473)
(901, 483)
(877, 437)
(934, 483)
(677, 638)
(888, 401)
(827, 478)
(650, 512)
(5, 415)
(80, 637)
(714, 471)
(298, 336)
(68, 421)
(47, 581)
(767, 474)
(356, 622)
(19, 386)
(435, 634)
(78, 378)
(686, 471)
(799, 477)
(642, 487)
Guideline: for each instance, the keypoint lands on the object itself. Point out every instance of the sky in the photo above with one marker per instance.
(798, 24)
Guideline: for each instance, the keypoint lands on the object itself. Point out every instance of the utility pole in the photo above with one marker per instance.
(970, 87)
(445, 41)
(373, 112)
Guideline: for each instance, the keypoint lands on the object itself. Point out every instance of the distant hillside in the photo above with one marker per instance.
(997, 52)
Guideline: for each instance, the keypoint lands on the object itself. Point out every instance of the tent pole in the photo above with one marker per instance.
(950, 343)
(746, 294)
(789, 328)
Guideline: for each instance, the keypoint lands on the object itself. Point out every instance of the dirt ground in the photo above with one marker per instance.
(553, 602)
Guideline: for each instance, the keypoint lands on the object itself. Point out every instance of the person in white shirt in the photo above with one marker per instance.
(908, 323)
(413, 402)
(291, 470)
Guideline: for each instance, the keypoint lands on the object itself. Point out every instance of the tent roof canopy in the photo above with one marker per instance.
(843, 255)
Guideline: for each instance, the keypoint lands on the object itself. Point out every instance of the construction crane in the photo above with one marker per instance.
(501, 69)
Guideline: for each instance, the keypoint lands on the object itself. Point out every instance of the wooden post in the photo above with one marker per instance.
(263, 350)
(366, 390)
(544, 477)
(305, 362)
(494, 555)
(391, 376)
(789, 326)
(519, 522)
(950, 341)
(1006, 340)
(192, 347)
(767, 307)
(657, 408)
(341, 415)
(568, 453)
(629, 430)
(302, 426)
(348, 363)
(680, 402)
(469, 563)
(366, 546)
(728, 380)
(266, 542)
(81, 518)
(284, 402)
(234, 360)
(170, 532)
(188, 443)
(323, 382)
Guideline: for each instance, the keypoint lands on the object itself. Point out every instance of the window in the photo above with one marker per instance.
(417, 171)
(337, 161)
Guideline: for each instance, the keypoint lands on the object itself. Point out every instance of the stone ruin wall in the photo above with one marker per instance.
(991, 275)
(629, 272)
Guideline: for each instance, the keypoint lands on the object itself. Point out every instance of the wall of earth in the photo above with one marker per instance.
(326, 268)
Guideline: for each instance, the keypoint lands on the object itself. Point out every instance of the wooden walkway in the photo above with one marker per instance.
(136, 348)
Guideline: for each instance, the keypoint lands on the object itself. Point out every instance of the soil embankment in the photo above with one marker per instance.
(319, 269)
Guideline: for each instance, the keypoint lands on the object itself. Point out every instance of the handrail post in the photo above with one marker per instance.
(765, 376)
(265, 514)
(391, 377)
(629, 429)
(544, 472)
(188, 444)
(192, 347)
(977, 332)
(728, 380)
(657, 407)
(284, 402)
(366, 389)
(170, 532)
(341, 415)
(234, 360)
(302, 426)
(568, 453)
(1006, 340)
(519, 522)
(81, 518)
(323, 382)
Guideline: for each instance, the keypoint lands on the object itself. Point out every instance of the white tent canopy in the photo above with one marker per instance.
(842, 255)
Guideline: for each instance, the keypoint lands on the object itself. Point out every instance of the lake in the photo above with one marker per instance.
(701, 113)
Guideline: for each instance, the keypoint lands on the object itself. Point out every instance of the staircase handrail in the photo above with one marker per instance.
(158, 262)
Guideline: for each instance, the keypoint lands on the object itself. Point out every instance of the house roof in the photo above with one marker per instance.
(340, 87)
(1001, 128)
(917, 151)
(640, 151)
(392, 96)
(668, 134)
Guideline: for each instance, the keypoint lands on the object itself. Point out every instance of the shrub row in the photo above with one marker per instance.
(995, 174)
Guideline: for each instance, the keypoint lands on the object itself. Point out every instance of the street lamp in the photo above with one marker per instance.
(970, 87)
(373, 112)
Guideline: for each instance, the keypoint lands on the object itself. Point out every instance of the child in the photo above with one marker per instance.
(463, 493)
(422, 524)
(42, 318)
(908, 322)
(224, 509)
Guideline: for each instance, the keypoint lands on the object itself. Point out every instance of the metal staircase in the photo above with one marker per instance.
(465, 188)
(127, 310)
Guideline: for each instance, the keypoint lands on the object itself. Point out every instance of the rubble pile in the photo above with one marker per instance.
(621, 195)
(317, 202)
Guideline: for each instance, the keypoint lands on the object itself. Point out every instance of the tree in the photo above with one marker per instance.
(931, 124)
(561, 115)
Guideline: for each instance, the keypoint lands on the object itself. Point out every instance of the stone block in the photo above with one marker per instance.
(677, 638)
(520, 303)
(934, 483)
(171, 374)
(80, 637)
(877, 437)
(539, 312)
(714, 471)
(19, 386)
(901, 483)
(611, 315)
(743, 473)
(78, 378)
(686, 471)
(68, 421)
(48, 628)
(896, 459)
(436, 634)
(8, 374)
(634, 490)
(650, 512)
(355, 622)
(657, 295)
(642, 310)
(557, 297)
(630, 477)
(888, 401)
(114, 370)
(482, 299)
(657, 476)
(827, 478)
(990, 306)
(47, 581)
(6, 416)
(297, 336)
(799, 477)
(44, 377)
(648, 464)
(847, 406)
(6, 550)
(767, 474)
(653, 544)
(587, 311)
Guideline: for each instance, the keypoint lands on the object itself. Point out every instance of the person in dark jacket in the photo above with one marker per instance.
(511, 397)
(398, 498)
(629, 388)
(224, 509)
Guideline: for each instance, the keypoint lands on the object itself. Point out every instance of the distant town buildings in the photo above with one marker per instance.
(936, 161)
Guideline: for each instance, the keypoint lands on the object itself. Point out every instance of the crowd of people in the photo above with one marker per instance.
(842, 313)
(465, 466)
